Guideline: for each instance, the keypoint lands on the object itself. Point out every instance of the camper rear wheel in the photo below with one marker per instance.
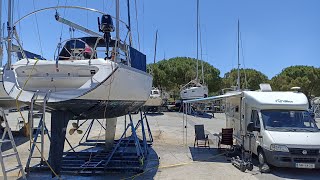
(263, 165)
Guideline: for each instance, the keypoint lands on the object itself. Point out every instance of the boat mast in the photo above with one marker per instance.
(9, 26)
(197, 39)
(202, 73)
(155, 47)
(117, 27)
(129, 22)
(238, 79)
(1, 40)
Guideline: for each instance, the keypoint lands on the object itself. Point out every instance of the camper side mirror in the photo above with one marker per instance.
(312, 115)
(252, 128)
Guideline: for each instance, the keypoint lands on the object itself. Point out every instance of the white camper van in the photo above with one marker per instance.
(284, 133)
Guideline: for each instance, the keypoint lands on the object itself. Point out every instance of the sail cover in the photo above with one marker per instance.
(138, 59)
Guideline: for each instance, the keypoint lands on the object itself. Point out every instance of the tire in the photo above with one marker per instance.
(242, 167)
(250, 167)
(263, 164)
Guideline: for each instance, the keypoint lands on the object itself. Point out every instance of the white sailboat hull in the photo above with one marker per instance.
(7, 102)
(194, 92)
(96, 89)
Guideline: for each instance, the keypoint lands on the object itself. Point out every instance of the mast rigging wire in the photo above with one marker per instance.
(137, 23)
(39, 37)
(244, 67)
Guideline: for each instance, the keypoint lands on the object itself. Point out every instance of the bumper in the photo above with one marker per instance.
(286, 159)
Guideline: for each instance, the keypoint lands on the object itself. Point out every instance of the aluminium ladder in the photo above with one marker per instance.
(40, 130)
(7, 130)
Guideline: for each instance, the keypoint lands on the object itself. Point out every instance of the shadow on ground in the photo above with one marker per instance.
(18, 138)
(286, 173)
(149, 173)
(203, 115)
(207, 155)
(291, 173)
(154, 113)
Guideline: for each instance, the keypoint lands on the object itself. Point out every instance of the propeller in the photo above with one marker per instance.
(75, 127)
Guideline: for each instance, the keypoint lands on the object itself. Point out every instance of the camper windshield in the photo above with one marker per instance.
(287, 120)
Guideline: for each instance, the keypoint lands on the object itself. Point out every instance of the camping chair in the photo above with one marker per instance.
(226, 137)
(199, 135)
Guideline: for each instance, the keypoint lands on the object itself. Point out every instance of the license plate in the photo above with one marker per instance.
(305, 165)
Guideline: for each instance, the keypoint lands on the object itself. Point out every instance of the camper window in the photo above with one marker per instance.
(237, 109)
(255, 118)
(286, 120)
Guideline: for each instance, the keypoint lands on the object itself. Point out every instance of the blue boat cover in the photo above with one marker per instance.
(28, 54)
(138, 59)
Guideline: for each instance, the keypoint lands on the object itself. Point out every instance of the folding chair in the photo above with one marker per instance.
(226, 137)
(200, 136)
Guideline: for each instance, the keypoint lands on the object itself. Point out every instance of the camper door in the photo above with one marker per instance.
(256, 137)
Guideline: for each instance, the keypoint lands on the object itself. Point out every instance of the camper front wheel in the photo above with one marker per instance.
(263, 165)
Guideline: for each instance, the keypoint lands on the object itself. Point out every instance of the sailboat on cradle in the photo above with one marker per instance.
(195, 89)
(79, 79)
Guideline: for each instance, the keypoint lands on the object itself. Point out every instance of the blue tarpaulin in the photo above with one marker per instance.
(28, 54)
(138, 60)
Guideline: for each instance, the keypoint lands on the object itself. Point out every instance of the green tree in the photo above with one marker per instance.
(306, 77)
(249, 79)
(171, 74)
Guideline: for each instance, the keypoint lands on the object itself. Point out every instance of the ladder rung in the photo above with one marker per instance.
(14, 168)
(37, 115)
(36, 142)
(5, 140)
(9, 154)
(39, 100)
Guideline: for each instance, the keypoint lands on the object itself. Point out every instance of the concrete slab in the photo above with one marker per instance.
(170, 157)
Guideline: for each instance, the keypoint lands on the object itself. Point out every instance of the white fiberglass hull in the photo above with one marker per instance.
(7, 102)
(194, 92)
(89, 89)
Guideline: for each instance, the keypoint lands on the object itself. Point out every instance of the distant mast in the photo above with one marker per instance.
(238, 79)
(197, 40)
(9, 38)
(202, 73)
(155, 47)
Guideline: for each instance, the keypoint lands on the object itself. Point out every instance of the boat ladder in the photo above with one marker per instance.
(38, 133)
(7, 130)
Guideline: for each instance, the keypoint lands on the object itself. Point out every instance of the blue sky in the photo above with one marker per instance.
(275, 33)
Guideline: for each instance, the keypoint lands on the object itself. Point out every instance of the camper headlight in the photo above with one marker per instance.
(278, 147)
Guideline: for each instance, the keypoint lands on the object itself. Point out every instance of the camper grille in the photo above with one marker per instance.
(305, 160)
(285, 159)
(299, 151)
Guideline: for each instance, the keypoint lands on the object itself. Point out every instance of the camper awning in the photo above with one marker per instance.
(213, 98)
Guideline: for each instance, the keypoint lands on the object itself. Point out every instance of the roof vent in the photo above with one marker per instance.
(296, 89)
(265, 87)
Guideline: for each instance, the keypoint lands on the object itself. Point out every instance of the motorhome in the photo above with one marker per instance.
(283, 132)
